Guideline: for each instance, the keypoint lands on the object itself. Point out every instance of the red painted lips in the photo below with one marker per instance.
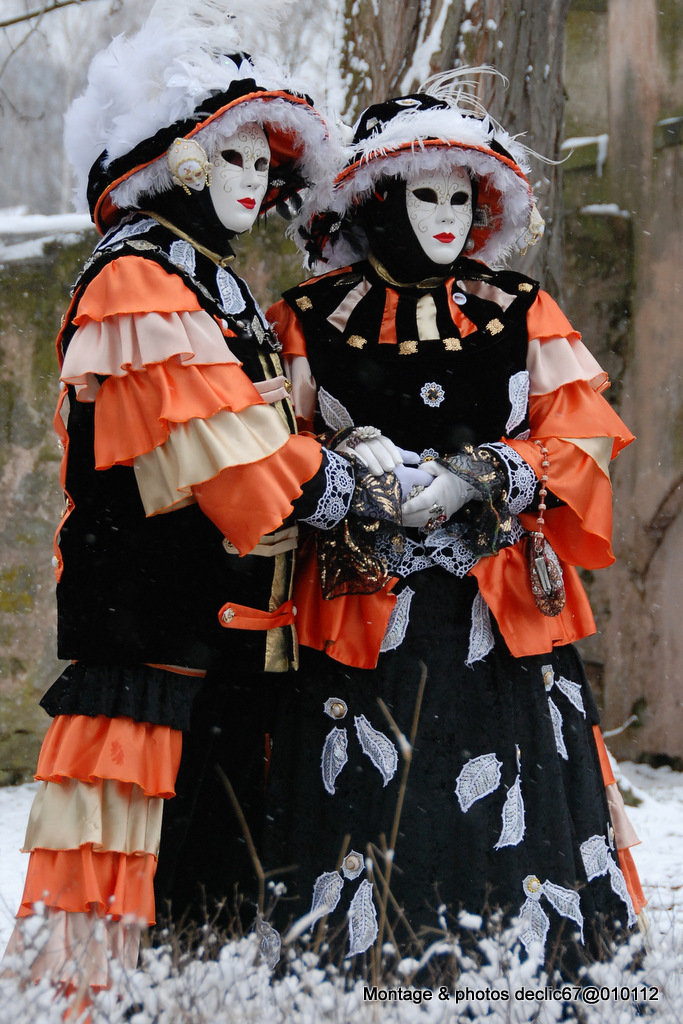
(445, 237)
(248, 203)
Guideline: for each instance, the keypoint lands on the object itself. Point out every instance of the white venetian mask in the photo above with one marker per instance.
(239, 178)
(439, 205)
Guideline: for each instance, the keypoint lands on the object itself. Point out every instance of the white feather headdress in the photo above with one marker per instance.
(443, 125)
(186, 52)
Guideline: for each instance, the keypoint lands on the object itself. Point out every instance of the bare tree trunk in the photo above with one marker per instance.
(391, 48)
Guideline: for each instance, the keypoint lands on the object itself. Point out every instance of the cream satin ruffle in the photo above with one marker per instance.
(115, 346)
(113, 816)
(199, 450)
(553, 362)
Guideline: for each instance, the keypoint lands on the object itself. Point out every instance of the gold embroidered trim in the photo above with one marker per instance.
(429, 282)
(355, 341)
(407, 348)
(494, 326)
(525, 287)
(452, 344)
(304, 303)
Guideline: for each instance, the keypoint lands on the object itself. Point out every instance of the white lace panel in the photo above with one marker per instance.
(479, 777)
(518, 391)
(326, 892)
(514, 822)
(556, 718)
(232, 299)
(269, 943)
(445, 548)
(335, 415)
(597, 861)
(378, 748)
(334, 757)
(412, 558)
(398, 621)
(481, 631)
(334, 502)
(522, 480)
(362, 919)
(184, 256)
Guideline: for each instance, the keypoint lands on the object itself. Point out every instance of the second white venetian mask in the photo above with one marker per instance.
(439, 208)
(239, 178)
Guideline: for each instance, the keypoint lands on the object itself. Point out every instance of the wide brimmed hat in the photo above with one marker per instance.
(183, 76)
(440, 127)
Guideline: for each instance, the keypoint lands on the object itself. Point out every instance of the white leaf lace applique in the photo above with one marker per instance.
(184, 256)
(362, 919)
(556, 719)
(269, 943)
(398, 622)
(378, 748)
(572, 692)
(127, 231)
(334, 757)
(597, 862)
(566, 902)
(518, 391)
(478, 777)
(481, 633)
(335, 415)
(514, 821)
(334, 502)
(232, 299)
(326, 892)
(534, 924)
(534, 920)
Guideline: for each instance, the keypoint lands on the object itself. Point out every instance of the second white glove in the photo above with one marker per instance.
(440, 500)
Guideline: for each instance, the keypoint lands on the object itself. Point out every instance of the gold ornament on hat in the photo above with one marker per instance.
(189, 165)
(534, 232)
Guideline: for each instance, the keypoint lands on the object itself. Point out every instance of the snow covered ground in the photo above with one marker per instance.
(234, 989)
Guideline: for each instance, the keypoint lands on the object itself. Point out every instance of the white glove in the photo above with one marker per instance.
(410, 477)
(373, 449)
(440, 500)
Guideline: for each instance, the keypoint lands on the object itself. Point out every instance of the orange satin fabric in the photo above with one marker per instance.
(288, 329)
(545, 319)
(504, 584)
(81, 880)
(629, 870)
(349, 629)
(387, 330)
(85, 748)
(576, 410)
(133, 284)
(605, 766)
(134, 414)
(246, 502)
(632, 879)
